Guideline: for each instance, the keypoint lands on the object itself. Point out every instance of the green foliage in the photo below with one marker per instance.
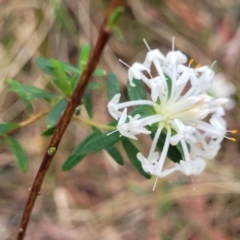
(101, 142)
(137, 92)
(77, 155)
(113, 86)
(173, 153)
(115, 154)
(56, 112)
(114, 17)
(49, 131)
(84, 56)
(28, 91)
(5, 127)
(18, 153)
(63, 80)
(88, 104)
(132, 151)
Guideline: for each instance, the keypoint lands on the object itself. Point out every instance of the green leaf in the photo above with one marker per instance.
(101, 142)
(29, 92)
(56, 112)
(113, 86)
(5, 127)
(132, 152)
(48, 131)
(143, 110)
(114, 17)
(88, 104)
(93, 86)
(99, 72)
(173, 153)
(62, 78)
(76, 156)
(115, 154)
(47, 66)
(137, 92)
(84, 55)
(19, 153)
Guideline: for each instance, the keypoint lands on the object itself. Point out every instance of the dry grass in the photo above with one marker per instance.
(98, 199)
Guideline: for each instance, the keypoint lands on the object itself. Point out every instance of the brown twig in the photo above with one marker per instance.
(104, 35)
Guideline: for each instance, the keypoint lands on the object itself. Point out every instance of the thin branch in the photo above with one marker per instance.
(28, 121)
(104, 35)
(93, 124)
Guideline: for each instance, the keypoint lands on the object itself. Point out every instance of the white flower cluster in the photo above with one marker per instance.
(184, 112)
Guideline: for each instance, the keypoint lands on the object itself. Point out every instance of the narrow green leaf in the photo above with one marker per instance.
(88, 104)
(84, 55)
(5, 127)
(56, 112)
(137, 92)
(19, 153)
(47, 66)
(114, 17)
(132, 152)
(101, 142)
(113, 86)
(143, 110)
(93, 86)
(173, 153)
(76, 156)
(29, 92)
(62, 78)
(48, 131)
(115, 154)
(99, 72)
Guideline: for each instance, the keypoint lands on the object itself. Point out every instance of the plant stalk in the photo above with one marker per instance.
(104, 34)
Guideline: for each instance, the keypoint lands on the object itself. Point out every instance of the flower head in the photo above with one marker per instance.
(182, 111)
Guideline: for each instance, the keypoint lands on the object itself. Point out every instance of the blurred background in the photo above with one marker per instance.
(99, 199)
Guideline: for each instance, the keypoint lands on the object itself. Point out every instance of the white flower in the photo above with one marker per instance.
(135, 71)
(181, 111)
(183, 132)
(113, 106)
(131, 128)
(158, 88)
(223, 88)
(149, 164)
(192, 167)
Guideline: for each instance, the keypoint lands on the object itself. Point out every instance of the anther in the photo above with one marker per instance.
(232, 139)
(190, 62)
(198, 66)
(233, 131)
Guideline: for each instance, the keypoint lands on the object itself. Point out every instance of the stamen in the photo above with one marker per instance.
(231, 139)
(121, 61)
(198, 66)
(173, 40)
(111, 132)
(233, 131)
(155, 184)
(213, 64)
(193, 183)
(190, 62)
(144, 40)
